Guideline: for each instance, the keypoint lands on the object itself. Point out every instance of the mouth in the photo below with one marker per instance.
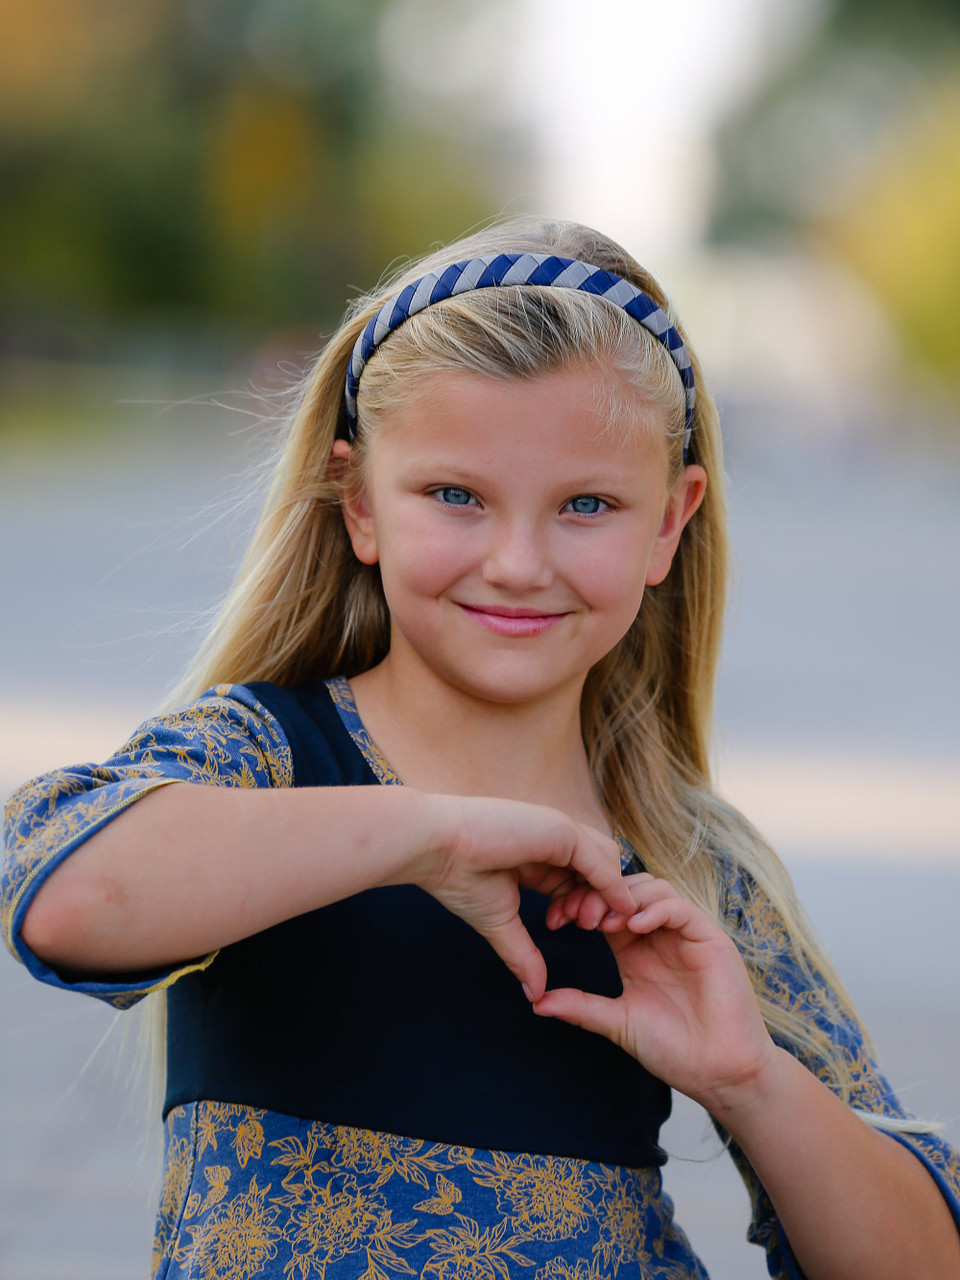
(506, 621)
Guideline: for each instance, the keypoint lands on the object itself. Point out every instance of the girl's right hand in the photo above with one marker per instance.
(489, 848)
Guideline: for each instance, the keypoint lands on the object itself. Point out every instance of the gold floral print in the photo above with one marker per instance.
(560, 1269)
(341, 1218)
(213, 1118)
(248, 1141)
(218, 1179)
(623, 1219)
(247, 1192)
(545, 1197)
(300, 1159)
(236, 1240)
(241, 1125)
(783, 980)
(341, 695)
(448, 1195)
(46, 816)
(177, 1176)
(383, 1155)
(225, 739)
(347, 1207)
(469, 1252)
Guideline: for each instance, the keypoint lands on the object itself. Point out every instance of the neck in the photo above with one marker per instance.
(440, 739)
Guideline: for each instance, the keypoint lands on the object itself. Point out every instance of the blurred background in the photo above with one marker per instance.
(191, 191)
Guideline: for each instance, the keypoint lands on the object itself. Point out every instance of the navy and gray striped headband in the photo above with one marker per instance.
(501, 269)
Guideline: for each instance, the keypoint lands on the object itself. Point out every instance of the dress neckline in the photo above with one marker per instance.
(341, 695)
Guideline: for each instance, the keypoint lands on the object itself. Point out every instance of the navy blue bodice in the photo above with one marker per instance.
(386, 1012)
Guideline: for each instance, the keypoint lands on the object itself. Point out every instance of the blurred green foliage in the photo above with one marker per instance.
(792, 152)
(234, 163)
(854, 141)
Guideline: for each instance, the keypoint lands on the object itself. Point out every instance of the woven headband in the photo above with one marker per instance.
(498, 270)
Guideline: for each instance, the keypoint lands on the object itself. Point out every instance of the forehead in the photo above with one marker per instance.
(582, 415)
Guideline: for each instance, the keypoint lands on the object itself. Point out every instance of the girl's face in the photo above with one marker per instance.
(514, 536)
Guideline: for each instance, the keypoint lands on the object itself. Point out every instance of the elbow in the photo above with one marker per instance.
(61, 926)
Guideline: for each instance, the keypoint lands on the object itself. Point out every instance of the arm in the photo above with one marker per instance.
(852, 1202)
(189, 869)
(167, 870)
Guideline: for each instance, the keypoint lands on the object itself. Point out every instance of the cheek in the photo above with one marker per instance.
(610, 574)
(422, 557)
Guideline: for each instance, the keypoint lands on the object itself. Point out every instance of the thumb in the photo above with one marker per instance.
(594, 1013)
(517, 950)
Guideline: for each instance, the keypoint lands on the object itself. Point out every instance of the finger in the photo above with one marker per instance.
(638, 879)
(555, 919)
(621, 939)
(517, 950)
(645, 888)
(616, 921)
(546, 878)
(646, 891)
(581, 1009)
(564, 909)
(613, 922)
(597, 859)
(674, 913)
(593, 908)
(590, 909)
(570, 903)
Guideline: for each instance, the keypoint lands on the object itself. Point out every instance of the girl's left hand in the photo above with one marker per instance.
(688, 1012)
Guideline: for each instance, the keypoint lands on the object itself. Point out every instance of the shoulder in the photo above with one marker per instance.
(258, 734)
(749, 909)
(227, 733)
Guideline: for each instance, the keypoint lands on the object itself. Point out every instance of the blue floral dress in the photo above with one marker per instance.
(261, 1182)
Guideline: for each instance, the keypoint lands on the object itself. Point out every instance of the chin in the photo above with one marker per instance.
(515, 688)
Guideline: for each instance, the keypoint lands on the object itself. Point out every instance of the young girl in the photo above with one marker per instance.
(491, 568)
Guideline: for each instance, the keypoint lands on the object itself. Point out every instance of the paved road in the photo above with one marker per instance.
(844, 642)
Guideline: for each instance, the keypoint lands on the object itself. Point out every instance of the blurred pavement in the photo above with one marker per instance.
(837, 733)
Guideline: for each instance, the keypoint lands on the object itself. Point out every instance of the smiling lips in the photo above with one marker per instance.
(505, 621)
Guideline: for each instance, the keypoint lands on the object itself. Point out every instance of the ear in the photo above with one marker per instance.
(354, 502)
(682, 501)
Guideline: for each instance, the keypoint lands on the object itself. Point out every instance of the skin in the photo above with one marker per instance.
(515, 540)
(483, 500)
(471, 505)
(854, 1203)
(181, 872)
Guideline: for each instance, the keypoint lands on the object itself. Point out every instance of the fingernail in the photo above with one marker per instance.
(527, 992)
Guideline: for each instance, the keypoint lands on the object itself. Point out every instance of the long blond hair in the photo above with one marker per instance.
(303, 607)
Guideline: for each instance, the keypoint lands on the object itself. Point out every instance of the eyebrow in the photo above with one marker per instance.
(466, 473)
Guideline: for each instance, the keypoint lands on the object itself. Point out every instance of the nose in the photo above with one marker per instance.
(516, 558)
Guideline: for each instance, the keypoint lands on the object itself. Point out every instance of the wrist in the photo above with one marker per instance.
(738, 1105)
(434, 825)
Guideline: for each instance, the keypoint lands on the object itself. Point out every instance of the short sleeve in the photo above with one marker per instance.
(785, 982)
(224, 739)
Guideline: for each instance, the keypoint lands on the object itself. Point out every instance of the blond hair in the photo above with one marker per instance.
(303, 607)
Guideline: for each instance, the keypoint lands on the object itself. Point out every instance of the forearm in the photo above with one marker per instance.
(189, 869)
(854, 1203)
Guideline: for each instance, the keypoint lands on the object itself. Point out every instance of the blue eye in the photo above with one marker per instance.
(454, 497)
(586, 505)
